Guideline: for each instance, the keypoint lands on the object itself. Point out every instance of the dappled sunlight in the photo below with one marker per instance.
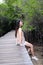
(1, 1)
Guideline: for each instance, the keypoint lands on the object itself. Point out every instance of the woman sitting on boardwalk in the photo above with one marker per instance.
(21, 40)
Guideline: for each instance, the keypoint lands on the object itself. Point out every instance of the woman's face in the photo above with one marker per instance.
(21, 23)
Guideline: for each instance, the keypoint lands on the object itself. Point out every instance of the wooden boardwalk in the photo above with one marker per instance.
(10, 53)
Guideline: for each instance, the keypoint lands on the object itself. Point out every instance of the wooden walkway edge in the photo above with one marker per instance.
(10, 53)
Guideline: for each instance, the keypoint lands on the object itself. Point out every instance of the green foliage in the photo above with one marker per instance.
(22, 9)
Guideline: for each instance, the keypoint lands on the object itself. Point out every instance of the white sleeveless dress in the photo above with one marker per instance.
(18, 39)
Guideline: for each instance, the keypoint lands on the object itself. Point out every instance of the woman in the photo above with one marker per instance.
(21, 40)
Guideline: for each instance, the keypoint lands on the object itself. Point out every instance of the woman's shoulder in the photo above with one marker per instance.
(20, 29)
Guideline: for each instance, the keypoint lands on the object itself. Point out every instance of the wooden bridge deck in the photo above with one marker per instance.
(10, 53)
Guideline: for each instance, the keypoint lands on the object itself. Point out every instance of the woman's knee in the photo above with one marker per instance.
(29, 44)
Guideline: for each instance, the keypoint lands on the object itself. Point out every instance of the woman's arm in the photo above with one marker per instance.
(20, 35)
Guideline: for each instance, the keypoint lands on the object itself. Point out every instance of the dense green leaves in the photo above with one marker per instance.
(27, 10)
(17, 8)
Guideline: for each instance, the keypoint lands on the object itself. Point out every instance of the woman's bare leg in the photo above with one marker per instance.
(31, 47)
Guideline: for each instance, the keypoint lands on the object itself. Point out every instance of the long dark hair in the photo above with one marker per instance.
(17, 27)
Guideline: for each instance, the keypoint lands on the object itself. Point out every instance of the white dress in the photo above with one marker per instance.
(18, 39)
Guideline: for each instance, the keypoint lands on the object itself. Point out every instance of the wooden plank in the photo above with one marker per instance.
(11, 54)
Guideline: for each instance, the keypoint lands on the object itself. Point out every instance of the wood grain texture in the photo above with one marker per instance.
(10, 53)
